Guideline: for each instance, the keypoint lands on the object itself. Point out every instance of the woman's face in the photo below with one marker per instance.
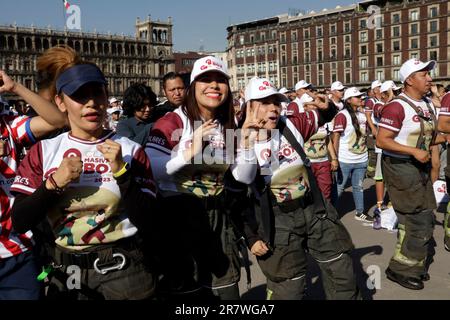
(356, 102)
(145, 111)
(269, 111)
(211, 90)
(86, 109)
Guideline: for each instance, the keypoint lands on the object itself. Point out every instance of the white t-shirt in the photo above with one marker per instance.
(351, 150)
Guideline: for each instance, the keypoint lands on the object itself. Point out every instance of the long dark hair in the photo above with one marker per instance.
(355, 121)
(224, 114)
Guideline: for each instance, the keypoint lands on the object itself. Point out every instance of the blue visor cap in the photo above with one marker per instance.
(77, 76)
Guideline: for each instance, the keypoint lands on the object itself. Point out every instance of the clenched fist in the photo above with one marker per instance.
(69, 170)
(112, 152)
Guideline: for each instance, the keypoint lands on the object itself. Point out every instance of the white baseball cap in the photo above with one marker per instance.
(260, 88)
(115, 109)
(376, 84)
(389, 84)
(337, 85)
(283, 90)
(207, 64)
(414, 65)
(352, 92)
(112, 100)
(301, 85)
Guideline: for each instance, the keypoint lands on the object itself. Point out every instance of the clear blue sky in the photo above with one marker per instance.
(196, 22)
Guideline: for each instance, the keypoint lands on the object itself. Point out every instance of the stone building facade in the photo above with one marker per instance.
(125, 60)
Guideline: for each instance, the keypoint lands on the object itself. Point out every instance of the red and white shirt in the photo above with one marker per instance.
(297, 106)
(89, 211)
(351, 149)
(445, 105)
(370, 103)
(203, 176)
(280, 164)
(399, 117)
(16, 132)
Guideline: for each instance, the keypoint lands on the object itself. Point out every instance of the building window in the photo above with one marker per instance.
(252, 38)
(333, 77)
(283, 37)
(363, 23)
(320, 79)
(363, 36)
(307, 57)
(333, 54)
(414, 55)
(306, 44)
(348, 77)
(347, 52)
(347, 38)
(380, 75)
(333, 65)
(414, 29)
(433, 26)
(348, 64)
(433, 41)
(294, 36)
(364, 77)
(379, 34)
(363, 49)
(333, 40)
(396, 18)
(333, 29)
(241, 40)
(306, 34)
(379, 61)
(319, 32)
(433, 55)
(319, 55)
(274, 35)
(433, 12)
(347, 27)
(320, 67)
(396, 45)
(396, 74)
(319, 42)
(118, 68)
(414, 15)
(396, 31)
(363, 63)
(414, 44)
(396, 60)
(379, 47)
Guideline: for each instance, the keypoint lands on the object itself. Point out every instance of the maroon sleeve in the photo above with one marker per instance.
(392, 116)
(167, 131)
(340, 123)
(376, 109)
(306, 123)
(445, 105)
(29, 175)
(140, 165)
(369, 105)
(292, 109)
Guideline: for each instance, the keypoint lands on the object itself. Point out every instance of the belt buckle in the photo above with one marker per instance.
(117, 266)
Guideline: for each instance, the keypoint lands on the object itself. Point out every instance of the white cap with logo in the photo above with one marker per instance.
(337, 85)
(114, 109)
(207, 64)
(301, 85)
(352, 92)
(376, 84)
(260, 88)
(389, 84)
(112, 100)
(414, 65)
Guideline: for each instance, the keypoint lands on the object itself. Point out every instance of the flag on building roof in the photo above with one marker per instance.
(66, 4)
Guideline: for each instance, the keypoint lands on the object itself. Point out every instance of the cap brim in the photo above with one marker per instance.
(428, 66)
(75, 85)
(211, 70)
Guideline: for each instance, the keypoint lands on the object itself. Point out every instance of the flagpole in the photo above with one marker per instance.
(64, 16)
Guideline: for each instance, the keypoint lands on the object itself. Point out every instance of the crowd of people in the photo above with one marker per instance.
(161, 201)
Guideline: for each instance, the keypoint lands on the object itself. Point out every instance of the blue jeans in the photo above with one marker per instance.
(357, 172)
(18, 278)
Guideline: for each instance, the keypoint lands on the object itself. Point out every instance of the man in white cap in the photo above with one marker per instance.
(368, 107)
(284, 91)
(113, 102)
(336, 94)
(407, 129)
(304, 96)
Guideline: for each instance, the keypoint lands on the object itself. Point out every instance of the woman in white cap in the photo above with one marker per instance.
(283, 217)
(407, 130)
(191, 154)
(349, 140)
(86, 182)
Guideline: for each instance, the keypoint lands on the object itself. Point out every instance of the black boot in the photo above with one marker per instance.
(407, 282)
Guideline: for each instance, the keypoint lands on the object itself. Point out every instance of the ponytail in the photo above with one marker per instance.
(355, 121)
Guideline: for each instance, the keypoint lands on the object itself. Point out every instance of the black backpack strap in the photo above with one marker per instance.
(319, 206)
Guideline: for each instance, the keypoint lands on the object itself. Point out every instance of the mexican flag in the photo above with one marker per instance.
(66, 4)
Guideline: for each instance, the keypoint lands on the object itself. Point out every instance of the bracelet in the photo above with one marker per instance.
(58, 190)
(334, 159)
(121, 171)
